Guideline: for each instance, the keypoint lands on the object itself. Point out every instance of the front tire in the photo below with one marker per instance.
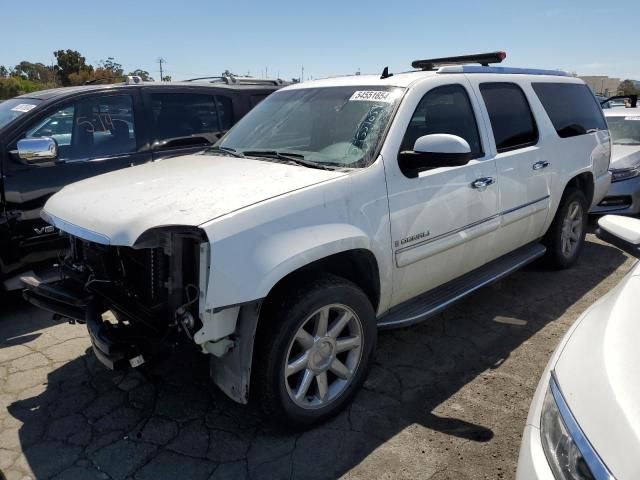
(565, 238)
(313, 351)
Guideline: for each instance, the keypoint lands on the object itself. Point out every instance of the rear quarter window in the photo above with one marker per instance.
(572, 108)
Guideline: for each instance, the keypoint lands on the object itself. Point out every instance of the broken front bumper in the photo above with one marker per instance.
(116, 346)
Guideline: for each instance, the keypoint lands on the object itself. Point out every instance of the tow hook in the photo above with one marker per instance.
(186, 322)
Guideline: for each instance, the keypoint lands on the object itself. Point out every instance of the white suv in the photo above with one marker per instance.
(334, 208)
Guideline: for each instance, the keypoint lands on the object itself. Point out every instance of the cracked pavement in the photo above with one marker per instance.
(446, 399)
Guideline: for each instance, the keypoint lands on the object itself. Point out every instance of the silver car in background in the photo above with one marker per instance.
(623, 196)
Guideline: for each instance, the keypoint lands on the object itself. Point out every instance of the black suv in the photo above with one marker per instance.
(51, 138)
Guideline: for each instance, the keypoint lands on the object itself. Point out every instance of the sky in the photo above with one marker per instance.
(327, 37)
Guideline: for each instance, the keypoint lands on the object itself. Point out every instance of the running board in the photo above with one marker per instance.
(435, 301)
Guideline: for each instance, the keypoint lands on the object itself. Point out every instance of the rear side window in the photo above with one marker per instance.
(256, 99)
(572, 108)
(511, 118)
(182, 119)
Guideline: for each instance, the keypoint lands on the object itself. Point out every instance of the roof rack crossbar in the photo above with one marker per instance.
(509, 70)
(483, 59)
(232, 79)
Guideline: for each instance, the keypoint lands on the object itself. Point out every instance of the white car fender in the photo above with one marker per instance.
(344, 214)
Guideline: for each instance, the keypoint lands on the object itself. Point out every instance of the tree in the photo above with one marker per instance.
(110, 65)
(627, 87)
(16, 85)
(166, 78)
(69, 62)
(4, 73)
(143, 74)
(36, 72)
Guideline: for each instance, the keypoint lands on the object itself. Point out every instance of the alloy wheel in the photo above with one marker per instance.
(572, 229)
(323, 356)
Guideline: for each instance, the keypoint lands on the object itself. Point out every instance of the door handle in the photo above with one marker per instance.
(540, 165)
(481, 184)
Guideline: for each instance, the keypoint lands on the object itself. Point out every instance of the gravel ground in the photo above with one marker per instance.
(446, 399)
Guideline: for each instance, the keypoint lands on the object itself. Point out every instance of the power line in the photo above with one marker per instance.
(160, 61)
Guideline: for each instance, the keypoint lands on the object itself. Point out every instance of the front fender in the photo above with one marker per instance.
(247, 267)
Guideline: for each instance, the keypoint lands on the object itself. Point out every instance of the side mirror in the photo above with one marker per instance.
(434, 151)
(34, 151)
(621, 232)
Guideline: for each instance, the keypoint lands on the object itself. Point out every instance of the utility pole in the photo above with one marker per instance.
(160, 61)
(302, 74)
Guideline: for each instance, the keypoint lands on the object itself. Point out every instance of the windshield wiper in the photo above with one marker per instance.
(295, 158)
(225, 151)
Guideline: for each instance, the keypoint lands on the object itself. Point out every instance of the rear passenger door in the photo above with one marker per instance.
(523, 166)
(186, 121)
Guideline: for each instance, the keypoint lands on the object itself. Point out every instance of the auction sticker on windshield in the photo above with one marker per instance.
(371, 96)
(23, 107)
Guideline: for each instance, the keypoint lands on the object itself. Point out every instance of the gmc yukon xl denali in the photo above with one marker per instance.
(333, 209)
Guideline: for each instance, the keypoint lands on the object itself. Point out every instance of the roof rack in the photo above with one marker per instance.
(483, 59)
(233, 80)
(510, 70)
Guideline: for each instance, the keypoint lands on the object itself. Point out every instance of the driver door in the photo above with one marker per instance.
(443, 220)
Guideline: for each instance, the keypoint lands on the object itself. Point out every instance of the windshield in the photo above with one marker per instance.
(331, 126)
(12, 109)
(624, 130)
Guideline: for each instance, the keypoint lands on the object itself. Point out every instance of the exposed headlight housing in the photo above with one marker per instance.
(619, 174)
(569, 453)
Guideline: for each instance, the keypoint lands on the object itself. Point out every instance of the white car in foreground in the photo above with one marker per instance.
(584, 421)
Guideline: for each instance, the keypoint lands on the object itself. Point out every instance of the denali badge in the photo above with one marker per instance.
(412, 238)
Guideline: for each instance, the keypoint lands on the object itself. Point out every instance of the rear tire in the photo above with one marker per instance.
(314, 349)
(565, 238)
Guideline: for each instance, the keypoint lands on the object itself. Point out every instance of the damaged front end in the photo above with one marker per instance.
(152, 289)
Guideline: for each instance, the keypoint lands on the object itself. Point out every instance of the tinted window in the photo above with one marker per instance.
(444, 110)
(89, 128)
(256, 99)
(512, 122)
(225, 112)
(572, 108)
(189, 118)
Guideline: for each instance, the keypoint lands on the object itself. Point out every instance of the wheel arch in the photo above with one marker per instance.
(584, 182)
(358, 265)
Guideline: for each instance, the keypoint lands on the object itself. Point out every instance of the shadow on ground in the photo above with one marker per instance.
(171, 423)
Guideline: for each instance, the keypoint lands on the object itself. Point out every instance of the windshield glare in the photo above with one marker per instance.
(334, 126)
(12, 109)
(624, 130)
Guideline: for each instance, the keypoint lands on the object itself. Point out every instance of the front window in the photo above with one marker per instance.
(329, 127)
(624, 130)
(12, 109)
(92, 127)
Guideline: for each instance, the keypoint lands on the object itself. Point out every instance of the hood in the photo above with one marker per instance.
(624, 156)
(598, 374)
(117, 207)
